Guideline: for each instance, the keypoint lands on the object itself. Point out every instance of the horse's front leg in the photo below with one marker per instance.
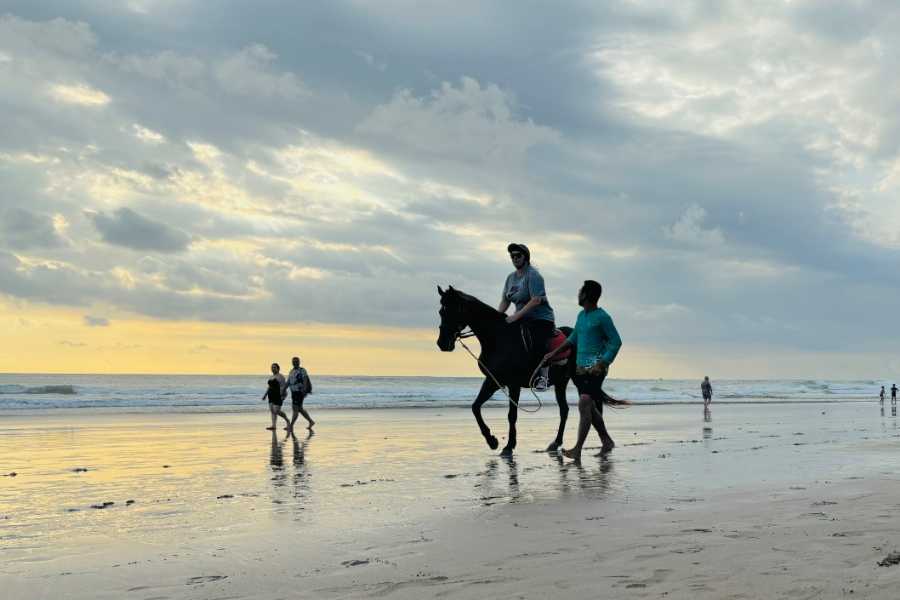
(512, 417)
(560, 389)
(487, 390)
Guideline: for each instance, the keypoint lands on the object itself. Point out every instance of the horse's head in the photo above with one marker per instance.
(452, 318)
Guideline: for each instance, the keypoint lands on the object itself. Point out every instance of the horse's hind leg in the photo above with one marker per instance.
(512, 417)
(487, 390)
(560, 389)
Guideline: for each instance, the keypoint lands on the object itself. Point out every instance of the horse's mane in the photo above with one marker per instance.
(484, 310)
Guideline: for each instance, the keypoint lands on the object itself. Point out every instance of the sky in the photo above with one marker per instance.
(196, 187)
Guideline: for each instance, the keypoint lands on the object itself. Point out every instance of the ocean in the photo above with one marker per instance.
(243, 392)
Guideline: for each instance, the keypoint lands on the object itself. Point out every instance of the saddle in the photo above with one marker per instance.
(556, 340)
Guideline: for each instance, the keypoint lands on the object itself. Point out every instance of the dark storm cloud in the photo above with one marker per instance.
(21, 229)
(127, 228)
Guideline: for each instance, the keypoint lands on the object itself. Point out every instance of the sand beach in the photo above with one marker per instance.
(775, 501)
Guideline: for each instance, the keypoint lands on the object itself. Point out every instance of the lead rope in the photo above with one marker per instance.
(460, 335)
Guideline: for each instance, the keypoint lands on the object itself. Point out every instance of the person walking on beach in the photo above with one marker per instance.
(597, 343)
(524, 288)
(893, 393)
(300, 386)
(706, 390)
(276, 391)
(881, 394)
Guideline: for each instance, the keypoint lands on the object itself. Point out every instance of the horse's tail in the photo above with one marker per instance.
(612, 402)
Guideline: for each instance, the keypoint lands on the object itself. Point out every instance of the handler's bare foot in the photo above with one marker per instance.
(573, 453)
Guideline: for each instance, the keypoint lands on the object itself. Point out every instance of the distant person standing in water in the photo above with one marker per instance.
(881, 395)
(706, 390)
(300, 386)
(276, 391)
(893, 392)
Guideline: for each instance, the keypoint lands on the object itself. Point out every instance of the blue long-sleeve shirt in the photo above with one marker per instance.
(596, 338)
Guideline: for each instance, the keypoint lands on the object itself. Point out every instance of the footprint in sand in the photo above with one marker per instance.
(355, 563)
(205, 579)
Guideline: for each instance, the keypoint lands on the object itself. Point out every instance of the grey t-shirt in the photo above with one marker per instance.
(519, 290)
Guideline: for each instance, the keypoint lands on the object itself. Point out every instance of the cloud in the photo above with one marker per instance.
(469, 122)
(92, 321)
(249, 72)
(148, 135)
(80, 94)
(124, 227)
(21, 229)
(688, 229)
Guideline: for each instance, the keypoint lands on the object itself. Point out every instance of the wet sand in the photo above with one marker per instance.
(774, 501)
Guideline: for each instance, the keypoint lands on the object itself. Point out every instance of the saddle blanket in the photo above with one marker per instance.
(555, 342)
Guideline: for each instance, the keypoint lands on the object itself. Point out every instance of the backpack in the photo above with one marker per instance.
(307, 384)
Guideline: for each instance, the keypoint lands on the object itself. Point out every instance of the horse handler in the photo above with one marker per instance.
(597, 343)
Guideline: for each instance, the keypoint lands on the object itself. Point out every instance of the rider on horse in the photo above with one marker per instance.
(524, 288)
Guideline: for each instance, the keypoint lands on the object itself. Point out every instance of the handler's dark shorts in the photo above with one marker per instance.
(297, 398)
(590, 384)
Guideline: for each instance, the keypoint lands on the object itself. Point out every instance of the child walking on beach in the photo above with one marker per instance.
(276, 391)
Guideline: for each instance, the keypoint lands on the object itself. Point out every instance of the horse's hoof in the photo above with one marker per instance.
(606, 449)
(506, 452)
(492, 442)
(554, 447)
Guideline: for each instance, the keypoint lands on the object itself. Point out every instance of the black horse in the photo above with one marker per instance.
(505, 357)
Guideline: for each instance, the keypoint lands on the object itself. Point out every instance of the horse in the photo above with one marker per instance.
(506, 360)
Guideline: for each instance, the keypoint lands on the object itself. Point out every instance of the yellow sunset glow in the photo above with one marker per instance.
(48, 340)
(53, 340)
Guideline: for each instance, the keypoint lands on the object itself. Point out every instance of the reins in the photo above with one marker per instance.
(467, 334)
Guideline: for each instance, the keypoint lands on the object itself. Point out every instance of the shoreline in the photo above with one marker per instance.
(499, 404)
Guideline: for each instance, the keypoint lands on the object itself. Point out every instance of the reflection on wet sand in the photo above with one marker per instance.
(707, 429)
(512, 468)
(574, 479)
(297, 480)
(592, 483)
(300, 476)
(276, 461)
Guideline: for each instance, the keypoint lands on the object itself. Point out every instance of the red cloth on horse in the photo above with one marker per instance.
(558, 339)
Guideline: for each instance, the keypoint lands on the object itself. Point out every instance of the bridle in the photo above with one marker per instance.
(462, 334)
